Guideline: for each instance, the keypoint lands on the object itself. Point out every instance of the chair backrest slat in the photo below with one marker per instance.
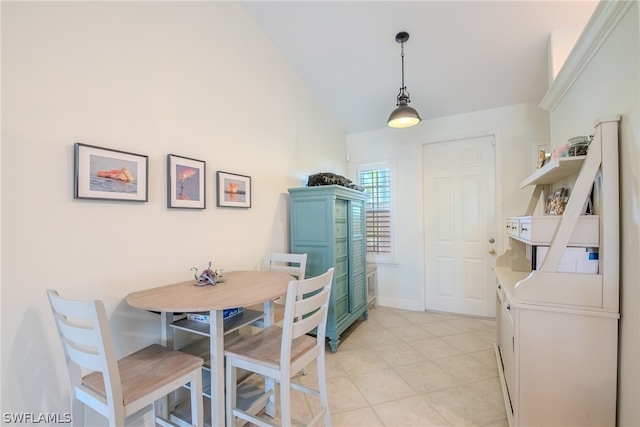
(293, 264)
(83, 356)
(309, 303)
(79, 332)
(307, 324)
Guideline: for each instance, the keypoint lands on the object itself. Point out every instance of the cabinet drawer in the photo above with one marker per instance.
(341, 248)
(342, 285)
(525, 229)
(512, 227)
(342, 307)
(340, 210)
(500, 292)
(341, 229)
(341, 268)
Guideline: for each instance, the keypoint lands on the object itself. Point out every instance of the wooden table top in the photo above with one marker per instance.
(240, 289)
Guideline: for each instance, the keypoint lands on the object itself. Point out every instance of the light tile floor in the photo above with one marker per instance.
(407, 368)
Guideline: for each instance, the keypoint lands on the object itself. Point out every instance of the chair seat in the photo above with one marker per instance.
(145, 371)
(264, 347)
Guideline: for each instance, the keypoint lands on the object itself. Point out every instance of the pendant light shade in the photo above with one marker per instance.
(403, 116)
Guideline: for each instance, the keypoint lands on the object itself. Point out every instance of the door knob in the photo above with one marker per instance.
(492, 251)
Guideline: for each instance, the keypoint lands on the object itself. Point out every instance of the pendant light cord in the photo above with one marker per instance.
(402, 56)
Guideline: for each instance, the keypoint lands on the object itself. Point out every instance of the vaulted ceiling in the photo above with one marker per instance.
(462, 56)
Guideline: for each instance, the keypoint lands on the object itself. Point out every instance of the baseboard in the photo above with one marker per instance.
(401, 304)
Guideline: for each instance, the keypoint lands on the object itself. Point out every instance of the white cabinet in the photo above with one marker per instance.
(556, 340)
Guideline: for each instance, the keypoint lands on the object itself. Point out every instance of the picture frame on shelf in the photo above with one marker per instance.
(233, 190)
(549, 204)
(108, 174)
(558, 201)
(186, 182)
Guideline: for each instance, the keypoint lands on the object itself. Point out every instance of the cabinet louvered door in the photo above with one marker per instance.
(358, 257)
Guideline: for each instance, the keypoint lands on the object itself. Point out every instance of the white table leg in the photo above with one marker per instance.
(216, 354)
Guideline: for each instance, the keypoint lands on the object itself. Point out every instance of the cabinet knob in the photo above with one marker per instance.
(509, 307)
(499, 286)
(492, 240)
(492, 251)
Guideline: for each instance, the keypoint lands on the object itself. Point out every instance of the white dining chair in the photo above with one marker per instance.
(118, 389)
(280, 352)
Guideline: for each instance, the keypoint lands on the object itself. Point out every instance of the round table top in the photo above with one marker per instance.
(240, 289)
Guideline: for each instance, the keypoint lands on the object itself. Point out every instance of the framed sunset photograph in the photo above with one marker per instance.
(234, 190)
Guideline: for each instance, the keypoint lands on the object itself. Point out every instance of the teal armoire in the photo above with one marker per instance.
(328, 224)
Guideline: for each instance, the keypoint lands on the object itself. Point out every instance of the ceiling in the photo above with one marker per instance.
(462, 56)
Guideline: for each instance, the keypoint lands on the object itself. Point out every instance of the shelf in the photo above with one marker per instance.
(554, 171)
(231, 324)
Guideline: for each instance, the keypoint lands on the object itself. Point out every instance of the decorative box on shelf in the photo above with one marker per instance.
(204, 317)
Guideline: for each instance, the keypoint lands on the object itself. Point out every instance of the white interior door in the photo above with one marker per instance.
(460, 225)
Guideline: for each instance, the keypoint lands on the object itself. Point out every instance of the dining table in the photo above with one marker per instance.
(239, 289)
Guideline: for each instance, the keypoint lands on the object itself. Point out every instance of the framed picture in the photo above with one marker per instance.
(186, 182)
(558, 201)
(234, 190)
(104, 173)
(549, 204)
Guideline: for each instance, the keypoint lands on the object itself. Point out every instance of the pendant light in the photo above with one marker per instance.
(403, 116)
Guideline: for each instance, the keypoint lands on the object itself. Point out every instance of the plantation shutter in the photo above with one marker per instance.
(377, 185)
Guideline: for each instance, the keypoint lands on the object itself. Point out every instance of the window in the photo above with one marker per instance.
(376, 181)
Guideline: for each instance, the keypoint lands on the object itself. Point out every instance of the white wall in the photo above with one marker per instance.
(197, 79)
(519, 129)
(610, 84)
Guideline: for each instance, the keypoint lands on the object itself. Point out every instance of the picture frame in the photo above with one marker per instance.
(186, 182)
(234, 191)
(549, 204)
(558, 201)
(102, 173)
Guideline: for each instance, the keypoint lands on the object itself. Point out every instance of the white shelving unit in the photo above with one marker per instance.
(556, 340)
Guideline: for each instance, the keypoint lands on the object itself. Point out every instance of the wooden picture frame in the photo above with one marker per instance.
(234, 190)
(106, 174)
(186, 182)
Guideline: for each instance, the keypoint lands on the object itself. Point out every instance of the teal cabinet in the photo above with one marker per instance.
(328, 224)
